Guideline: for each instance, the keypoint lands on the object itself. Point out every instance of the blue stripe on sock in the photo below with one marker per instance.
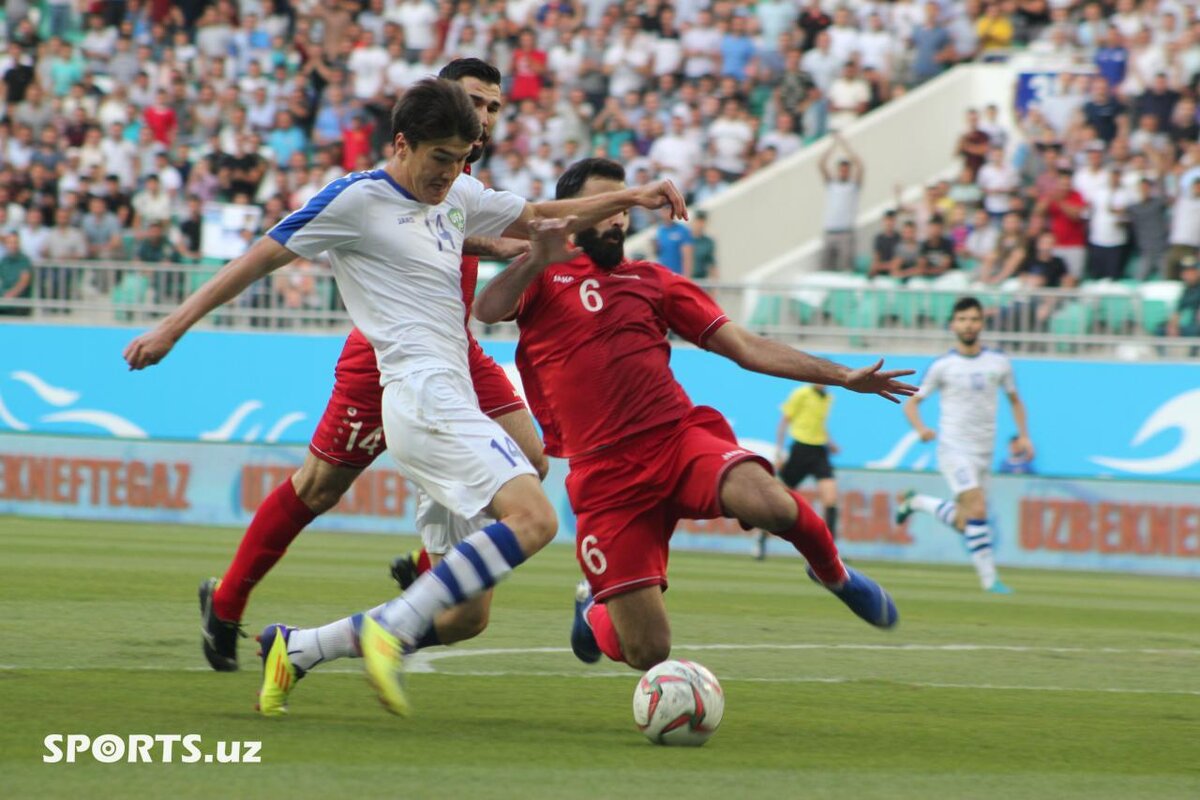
(977, 522)
(468, 551)
(506, 542)
(445, 576)
(976, 548)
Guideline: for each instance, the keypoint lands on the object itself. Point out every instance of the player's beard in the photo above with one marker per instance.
(606, 250)
(477, 149)
(968, 339)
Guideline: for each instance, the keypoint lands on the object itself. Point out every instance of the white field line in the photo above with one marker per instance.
(424, 663)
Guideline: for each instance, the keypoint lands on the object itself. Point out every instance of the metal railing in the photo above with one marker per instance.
(821, 311)
(106, 292)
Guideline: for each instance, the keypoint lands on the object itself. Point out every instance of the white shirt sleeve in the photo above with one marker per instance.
(932, 381)
(331, 218)
(488, 212)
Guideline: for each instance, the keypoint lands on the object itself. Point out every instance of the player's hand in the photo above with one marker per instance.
(875, 380)
(927, 434)
(832, 447)
(660, 194)
(1024, 446)
(549, 241)
(149, 348)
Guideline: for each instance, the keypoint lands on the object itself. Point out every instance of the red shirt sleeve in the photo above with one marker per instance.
(689, 311)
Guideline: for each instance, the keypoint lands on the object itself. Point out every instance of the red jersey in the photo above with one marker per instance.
(593, 352)
(1067, 232)
(162, 122)
(527, 68)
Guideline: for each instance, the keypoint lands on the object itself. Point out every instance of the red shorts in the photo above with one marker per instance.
(350, 432)
(628, 498)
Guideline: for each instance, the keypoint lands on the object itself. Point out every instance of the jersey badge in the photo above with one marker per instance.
(458, 220)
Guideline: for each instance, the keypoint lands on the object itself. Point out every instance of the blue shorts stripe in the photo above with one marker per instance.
(468, 551)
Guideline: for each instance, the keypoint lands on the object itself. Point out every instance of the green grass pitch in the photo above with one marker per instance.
(1078, 686)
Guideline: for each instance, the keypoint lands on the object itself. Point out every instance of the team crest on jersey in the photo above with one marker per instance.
(457, 219)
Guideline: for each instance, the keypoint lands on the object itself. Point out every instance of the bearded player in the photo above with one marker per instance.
(594, 360)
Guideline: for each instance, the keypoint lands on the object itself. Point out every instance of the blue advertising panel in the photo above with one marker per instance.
(1092, 524)
(1087, 418)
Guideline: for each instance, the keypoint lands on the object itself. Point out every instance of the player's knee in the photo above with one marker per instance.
(535, 525)
(973, 508)
(645, 653)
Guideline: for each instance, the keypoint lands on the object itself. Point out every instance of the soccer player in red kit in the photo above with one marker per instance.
(349, 436)
(594, 360)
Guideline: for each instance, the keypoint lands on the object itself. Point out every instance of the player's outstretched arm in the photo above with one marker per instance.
(1024, 443)
(588, 211)
(912, 413)
(264, 256)
(760, 354)
(548, 244)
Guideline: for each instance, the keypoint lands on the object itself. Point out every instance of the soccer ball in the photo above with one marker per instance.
(678, 703)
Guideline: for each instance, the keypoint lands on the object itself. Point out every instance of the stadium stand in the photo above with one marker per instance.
(142, 144)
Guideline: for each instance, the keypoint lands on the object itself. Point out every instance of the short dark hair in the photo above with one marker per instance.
(570, 184)
(966, 304)
(461, 68)
(435, 108)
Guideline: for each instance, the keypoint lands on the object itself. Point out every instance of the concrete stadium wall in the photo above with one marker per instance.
(763, 224)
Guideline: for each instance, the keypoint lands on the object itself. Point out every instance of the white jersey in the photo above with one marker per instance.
(398, 262)
(970, 398)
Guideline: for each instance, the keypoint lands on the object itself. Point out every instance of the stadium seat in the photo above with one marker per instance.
(768, 311)
(1158, 301)
(131, 290)
(1073, 319)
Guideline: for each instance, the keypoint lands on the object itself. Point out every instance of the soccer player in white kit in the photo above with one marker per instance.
(394, 237)
(970, 378)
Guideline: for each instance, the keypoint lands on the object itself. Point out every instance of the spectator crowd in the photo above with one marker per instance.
(121, 119)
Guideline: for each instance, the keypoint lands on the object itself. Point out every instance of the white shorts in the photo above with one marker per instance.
(443, 443)
(964, 471)
(440, 528)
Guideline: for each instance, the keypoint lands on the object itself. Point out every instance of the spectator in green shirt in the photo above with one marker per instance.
(704, 250)
(16, 277)
(1186, 319)
(156, 248)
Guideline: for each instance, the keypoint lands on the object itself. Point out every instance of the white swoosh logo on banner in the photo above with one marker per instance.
(285, 422)
(50, 394)
(117, 426)
(1181, 411)
(11, 421)
(225, 432)
(893, 459)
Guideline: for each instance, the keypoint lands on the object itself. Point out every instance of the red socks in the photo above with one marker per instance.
(277, 522)
(605, 633)
(423, 564)
(810, 535)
